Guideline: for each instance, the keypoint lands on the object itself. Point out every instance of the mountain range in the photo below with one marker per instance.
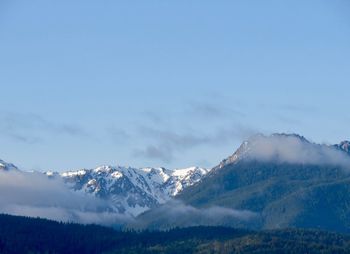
(269, 182)
(131, 190)
(126, 190)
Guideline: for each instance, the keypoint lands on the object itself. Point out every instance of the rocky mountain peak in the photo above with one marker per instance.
(290, 148)
(7, 166)
(132, 190)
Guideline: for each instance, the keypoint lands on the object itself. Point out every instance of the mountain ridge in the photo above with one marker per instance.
(247, 145)
(285, 179)
(264, 175)
(129, 191)
(133, 190)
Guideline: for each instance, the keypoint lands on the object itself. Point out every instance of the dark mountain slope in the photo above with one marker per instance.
(247, 184)
(285, 179)
(312, 193)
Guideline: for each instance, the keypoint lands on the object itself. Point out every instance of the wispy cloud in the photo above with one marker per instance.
(22, 138)
(198, 124)
(29, 128)
(210, 110)
(161, 152)
(293, 149)
(34, 194)
(117, 135)
(166, 143)
(202, 111)
(153, 117)
(177, 214)
(289, 108)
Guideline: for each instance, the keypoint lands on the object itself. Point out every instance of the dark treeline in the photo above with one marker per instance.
(31, 235)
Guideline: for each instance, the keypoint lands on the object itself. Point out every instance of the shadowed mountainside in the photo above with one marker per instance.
(285, 180)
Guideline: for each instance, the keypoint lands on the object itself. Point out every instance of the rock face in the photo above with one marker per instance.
(132, 190)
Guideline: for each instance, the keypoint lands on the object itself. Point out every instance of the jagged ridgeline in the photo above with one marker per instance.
(285, 180)
(270, 182)
(117, 192)
(131, 191)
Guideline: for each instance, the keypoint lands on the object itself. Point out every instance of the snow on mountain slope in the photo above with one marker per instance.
(7, 166)
(135, 190)
(127, 190)
(132, 190)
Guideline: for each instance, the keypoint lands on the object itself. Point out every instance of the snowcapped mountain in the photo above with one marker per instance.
(7, 166)
(131, 190)
(127, 190)
(282, 145)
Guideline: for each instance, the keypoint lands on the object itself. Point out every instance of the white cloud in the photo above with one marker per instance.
(295, 149)
(36, 195)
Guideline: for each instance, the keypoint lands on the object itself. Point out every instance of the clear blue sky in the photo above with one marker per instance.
(167, 83)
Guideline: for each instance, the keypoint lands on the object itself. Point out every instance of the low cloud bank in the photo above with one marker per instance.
(177, 208)
(36, 195)
(296, 149)
(177, 214)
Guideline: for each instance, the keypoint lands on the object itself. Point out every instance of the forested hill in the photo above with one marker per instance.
(30, 235)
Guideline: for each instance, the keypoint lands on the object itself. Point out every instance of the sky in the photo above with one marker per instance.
(167, 83)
